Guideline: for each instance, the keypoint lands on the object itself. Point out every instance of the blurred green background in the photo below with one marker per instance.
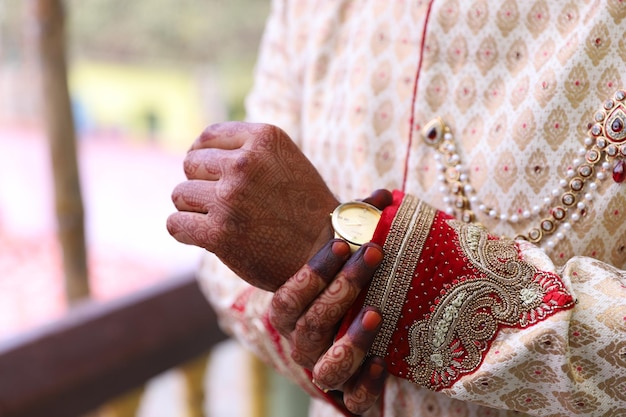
(145, 77)
(159, 69)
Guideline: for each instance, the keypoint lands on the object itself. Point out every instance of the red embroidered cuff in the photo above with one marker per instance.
(446, 288)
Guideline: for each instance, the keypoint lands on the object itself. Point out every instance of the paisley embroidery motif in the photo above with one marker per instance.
(504, 290)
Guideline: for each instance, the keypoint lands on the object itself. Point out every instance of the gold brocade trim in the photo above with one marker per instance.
(505, 290)
(391, 282)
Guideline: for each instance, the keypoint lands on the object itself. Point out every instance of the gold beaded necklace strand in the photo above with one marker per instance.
(604, 154)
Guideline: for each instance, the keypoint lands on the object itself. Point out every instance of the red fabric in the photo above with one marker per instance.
(413, 128)
(441, 267)
(386, 219)
(380, 234)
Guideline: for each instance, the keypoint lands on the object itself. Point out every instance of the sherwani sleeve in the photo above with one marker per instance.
(492, 321)
(274, 98)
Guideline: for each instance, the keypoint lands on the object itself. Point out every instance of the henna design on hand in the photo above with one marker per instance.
(315, 329)
(266, 214)
(344, 357)
(364, 389)
(294, 297)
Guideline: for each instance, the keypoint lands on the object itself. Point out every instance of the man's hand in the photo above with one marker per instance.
(254, 200)
(308, 309)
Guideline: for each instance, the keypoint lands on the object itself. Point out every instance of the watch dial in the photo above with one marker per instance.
(357, 222)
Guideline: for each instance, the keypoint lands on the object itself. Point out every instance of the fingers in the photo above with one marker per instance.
(293, 298)
(315, 329)
(191, 229)
(206, 164)
(345, 356)
(229, 135)
(380, 198)
(193, 195)
(364, 389)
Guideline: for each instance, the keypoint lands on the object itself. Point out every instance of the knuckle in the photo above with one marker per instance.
(274, 319)
(277, 316)
(188, 168)
(267, 136)
(208, 134)
(324, 378)
(176, 194)
(301, 359)
(265, 129)
(243, 162)
(357, 276)
(172, 225)
(190, 165)
(308, 326)
(358, 405)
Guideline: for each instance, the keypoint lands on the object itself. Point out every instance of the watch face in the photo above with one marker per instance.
(355, 221)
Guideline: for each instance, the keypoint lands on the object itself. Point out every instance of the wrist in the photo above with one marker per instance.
(326, 234)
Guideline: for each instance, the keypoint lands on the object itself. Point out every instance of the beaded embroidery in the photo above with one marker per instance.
(603, 156)
(391, 282)
(448, 291)
(503, 290)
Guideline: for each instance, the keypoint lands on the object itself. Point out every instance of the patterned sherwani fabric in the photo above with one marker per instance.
(518, 84)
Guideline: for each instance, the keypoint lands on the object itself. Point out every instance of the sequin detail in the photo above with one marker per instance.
(390, 284)
(501, 290)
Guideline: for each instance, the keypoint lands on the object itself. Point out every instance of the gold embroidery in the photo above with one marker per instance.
(577, 85)
(567, 19)
(538, 18)
(507, 17)
(487, 55)
(555, 125)
(598, 43)
(504, 290)
(436, 91)
(524, 129)
(448, 15)
(391, 283)
(617, 10)
(477, 16)
(537, 171)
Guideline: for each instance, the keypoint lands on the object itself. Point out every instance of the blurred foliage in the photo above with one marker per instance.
(167, 31)
(180, 32)
(197, 34)
(194, 35)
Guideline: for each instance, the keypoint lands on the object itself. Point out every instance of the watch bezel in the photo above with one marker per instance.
(336, 223)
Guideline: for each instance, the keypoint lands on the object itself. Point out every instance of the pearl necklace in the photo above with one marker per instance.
(604, 152)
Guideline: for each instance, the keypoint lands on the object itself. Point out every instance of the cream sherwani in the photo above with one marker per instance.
(518, 84)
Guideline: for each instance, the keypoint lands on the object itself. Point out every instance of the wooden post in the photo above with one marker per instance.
(62, 140)
(194, 372)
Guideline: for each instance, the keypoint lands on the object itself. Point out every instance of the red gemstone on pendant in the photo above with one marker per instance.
(619, 171)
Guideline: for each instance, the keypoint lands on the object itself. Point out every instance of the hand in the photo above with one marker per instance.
(307, 310)
(254, 200)
(309, 307)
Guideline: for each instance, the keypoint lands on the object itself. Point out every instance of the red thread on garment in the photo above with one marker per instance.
(274, 337)
(417, 76)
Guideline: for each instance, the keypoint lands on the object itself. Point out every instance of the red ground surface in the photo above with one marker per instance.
(126, 190)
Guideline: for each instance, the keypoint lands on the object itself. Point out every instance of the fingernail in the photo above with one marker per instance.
(376, 370)
(317, 384)
(340, 249)
(372, 256)
(371, 320)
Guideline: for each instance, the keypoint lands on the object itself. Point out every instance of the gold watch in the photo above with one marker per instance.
(355, 222)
